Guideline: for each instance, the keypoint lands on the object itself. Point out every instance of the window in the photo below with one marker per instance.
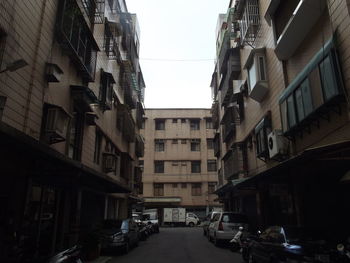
(261, 132)
(249, 21)
(303, 100)
(174, 185)
(183, 141)
(97, 152)
(329, 84)
(208, 124)
(183, 164)
(76, 35)
(183, 120)
(183, 185)
(210, 144)
(174, 120)
(194, 124)
(160, 124)
(159, 145)
(143, 124)
(195, 145)
(106, 90)
(175, 163)
(257, 78)
(110, 41)
(174, 141)
(76, 135)
(196, 189)
(158, 189)
(141, 164)
(195, 166)
(211, 187)
(2, 45)
(159, 166)
(211, 165)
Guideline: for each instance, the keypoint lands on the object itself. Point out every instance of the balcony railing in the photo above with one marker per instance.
(139, 146)
(215, 114)
(217, 144)
(111, 46)
(234, 163)
(76, 39)
(229, 122)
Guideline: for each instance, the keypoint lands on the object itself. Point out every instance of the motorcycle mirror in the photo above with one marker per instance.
(340, 247)
(259, 232)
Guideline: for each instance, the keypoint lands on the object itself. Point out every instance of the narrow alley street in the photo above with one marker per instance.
(185, 245)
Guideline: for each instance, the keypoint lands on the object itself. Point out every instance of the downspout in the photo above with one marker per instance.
(34, 68)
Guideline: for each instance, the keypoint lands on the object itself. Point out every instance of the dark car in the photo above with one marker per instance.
(288, 244)
(118, 235)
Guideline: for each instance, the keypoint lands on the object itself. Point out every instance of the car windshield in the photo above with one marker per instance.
(108, 224)
(234, 218)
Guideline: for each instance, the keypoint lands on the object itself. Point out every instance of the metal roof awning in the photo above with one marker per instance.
(162, 199)
(55, 168)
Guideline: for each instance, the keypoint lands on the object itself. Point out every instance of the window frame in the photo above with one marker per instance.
(210, 144)
(159, 145)
(211, 187)
(210, 163)
(195, 145)
(209, 123)
(196, 189)
(195, 124)
(158, 189)
(196, 166)
(159, 167)
(160, 124)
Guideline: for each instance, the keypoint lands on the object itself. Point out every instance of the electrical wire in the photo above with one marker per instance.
(176, 60)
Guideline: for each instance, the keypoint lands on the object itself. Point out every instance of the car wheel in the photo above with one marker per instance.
(126, 248)
(191, 224)
(216, 241)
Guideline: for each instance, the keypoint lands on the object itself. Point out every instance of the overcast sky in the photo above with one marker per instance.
(177, 30)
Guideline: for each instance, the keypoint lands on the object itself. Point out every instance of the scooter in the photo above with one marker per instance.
(236, 241)
(343, 252)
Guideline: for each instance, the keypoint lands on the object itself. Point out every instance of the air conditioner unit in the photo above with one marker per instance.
(57, 121)
(109, 162)
(278, 144)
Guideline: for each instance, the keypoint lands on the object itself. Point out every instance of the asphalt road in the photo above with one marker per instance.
(178, 245)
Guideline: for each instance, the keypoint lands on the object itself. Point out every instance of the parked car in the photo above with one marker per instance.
(71, 255)
(225, 225)
(289, 244)
(118, 235)
(206, 222)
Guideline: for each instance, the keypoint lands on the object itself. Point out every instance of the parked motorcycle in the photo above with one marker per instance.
(71, 255)
(236, 241)
(343, 255)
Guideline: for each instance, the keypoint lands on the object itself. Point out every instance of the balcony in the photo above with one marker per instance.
(215, 114)
(76, 39)
(126, 167)
(315, 92)
(130, 94)
(232, 93)
(247, 12)
(234, 163)
(214, 84)
(139, 114)
(95, 10)
(130, 53)
(217, 145)
(111, 46)
(232, 67)
(304, 17)
(229, 122)
(125, 123)
(139, 146)
(83, 97)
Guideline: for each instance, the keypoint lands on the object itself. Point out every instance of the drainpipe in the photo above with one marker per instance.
(34, 68)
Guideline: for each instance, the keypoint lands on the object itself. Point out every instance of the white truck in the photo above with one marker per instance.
(179, 217)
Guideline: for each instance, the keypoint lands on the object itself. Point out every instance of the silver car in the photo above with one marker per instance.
(224, 226)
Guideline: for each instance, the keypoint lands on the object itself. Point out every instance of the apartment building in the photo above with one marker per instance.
(281, 111)
(179, 164)
(71, 106)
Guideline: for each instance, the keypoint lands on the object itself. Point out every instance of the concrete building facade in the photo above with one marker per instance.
(281, 110)
(179, 163)
(70, 119)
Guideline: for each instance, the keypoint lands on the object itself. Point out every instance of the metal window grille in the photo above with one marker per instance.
(250, 22)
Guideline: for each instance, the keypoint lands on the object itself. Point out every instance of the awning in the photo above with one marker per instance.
(307, 69)
(53, 167)
(162, 199)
